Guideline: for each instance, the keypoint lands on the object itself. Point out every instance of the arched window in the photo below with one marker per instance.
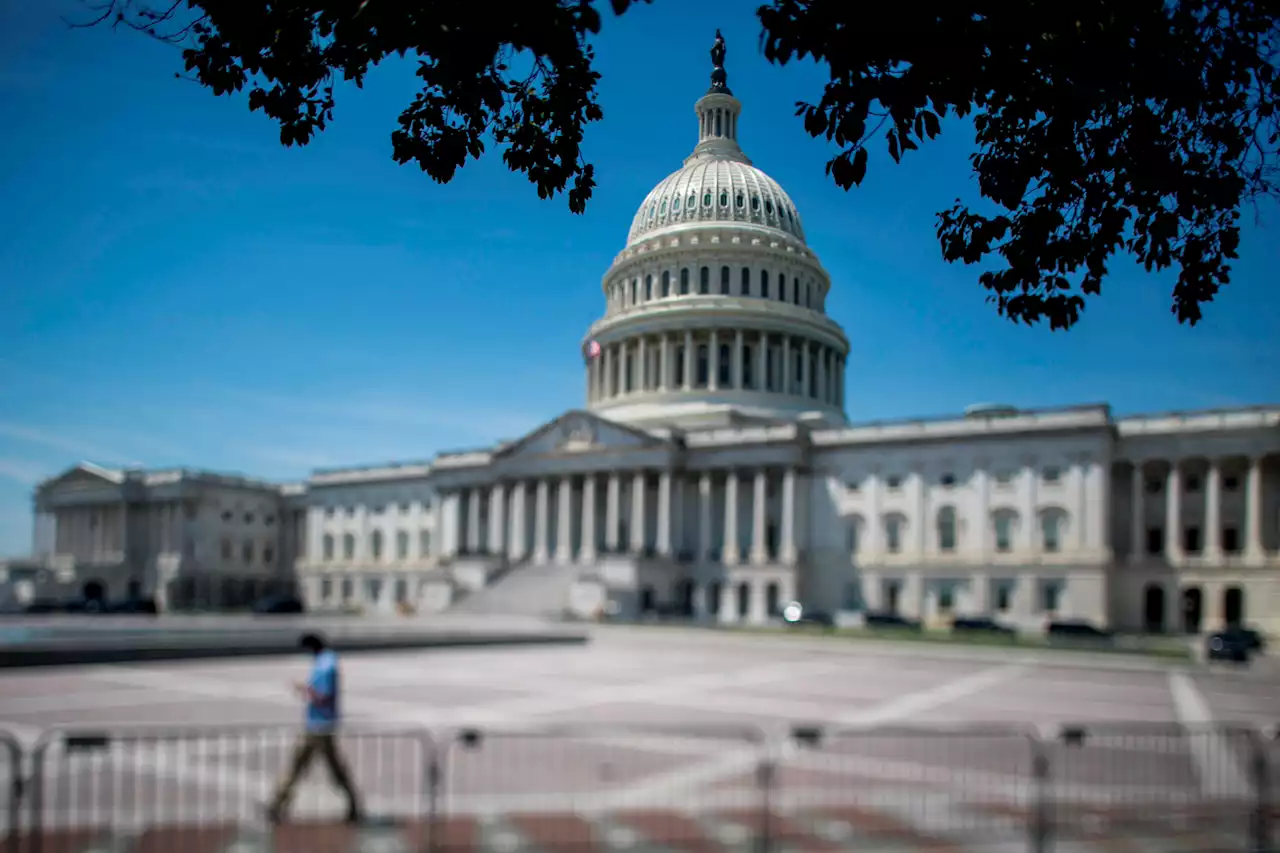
(852, 533)
(666, 283)
(1003, 523)
(946, 529)
(684, 281)
(704, 280)
(724, 369)
(634, 300)
(375, 545)
(326, 547)
(894, 529)
(1053, 524)
(746, 281)
(402, 545)
(724, 198)
(348, 546)
(795, 290)
(739, 200)
(648, 288)
(764, 283)
(724, 281)
(782, 288)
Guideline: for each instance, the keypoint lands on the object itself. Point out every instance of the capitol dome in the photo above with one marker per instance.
(716, 307)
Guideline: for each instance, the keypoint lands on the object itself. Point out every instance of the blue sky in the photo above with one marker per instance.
(176, 288)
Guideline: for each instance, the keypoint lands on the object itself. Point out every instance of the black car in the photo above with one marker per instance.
(1251, 638)
(279, 606)
(85, 605)
(797, 615)
(891, 620)
(1080, 631)
(135, 606)
(1231, 645)
(966, 625)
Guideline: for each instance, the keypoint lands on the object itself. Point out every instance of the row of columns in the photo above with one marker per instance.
(650, 365)
(1253, 547)
(508, 536)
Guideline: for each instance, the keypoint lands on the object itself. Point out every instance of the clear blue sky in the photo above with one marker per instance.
(176, 288)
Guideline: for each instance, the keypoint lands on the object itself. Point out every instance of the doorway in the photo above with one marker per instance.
(1153, 609)
(684, 597)
(646, 600)
(1233, 605)
(1192, 610)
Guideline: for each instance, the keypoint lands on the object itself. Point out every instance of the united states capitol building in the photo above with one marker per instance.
(712, 470)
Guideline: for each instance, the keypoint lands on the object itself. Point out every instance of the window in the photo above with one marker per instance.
(226, 516)
(1051, 532)
(373, 589)
(1004, 478)
(268, 554)
(724, 281)
(1050, 475)
(348, 546)
(675, 203)
(851, 536)
(724, 367)
(351, 512)
(893, 534)
(666, 283)
(782, 288)
(424, 543)
(768, 206)
(326, 588)
(706, 196)
(739, 200)
(1231, 540)
(755, 202)
(634, 298)
(1050, 595)
(328, 512)
(1154, 486)
(704, 281)
(748, 374)
(702, 366)
(893, 483)
(852, 486)
(946, 598)
(348, 588)
(1230, 483)
(746, 281)
(684, 282)
(1004, 594)
(1004, 532)
(692, 202)
(226, 549)
(1155, 540)
(246, 553)
(1193, 483)
(402, 590)
(662, 208)
(268, 520)
(248, 518)
(947, 480)
(648, 288)
(326, 547)
(764, 283)
(402, 545)
(724, 198)
(1191, 540)
(946, 529)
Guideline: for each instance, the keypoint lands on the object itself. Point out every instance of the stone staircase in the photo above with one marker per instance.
(523, 589)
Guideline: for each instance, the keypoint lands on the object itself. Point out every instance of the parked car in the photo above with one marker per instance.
(1079, 630)
(1251, 637)
(965, 625)
(279, 605)
(85, 605)
(138, 606)
(1232, 645)
(795, 614)
(891, 620)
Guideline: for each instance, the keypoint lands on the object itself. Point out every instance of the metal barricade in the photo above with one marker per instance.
(1154, 784)
(565, 788)
(205, 789)
(11, 756)
(906, 787)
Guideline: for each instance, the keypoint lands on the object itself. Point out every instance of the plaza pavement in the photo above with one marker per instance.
(652, 739)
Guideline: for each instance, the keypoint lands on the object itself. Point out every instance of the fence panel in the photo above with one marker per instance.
(204, 790)
(905, 788)
(1193, 787)
(11, 755)
(571, 789)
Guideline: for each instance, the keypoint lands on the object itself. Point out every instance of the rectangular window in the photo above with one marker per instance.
(1231, 540)
(402, 545)
(348, 547)
(1004, 595)
(1004, 533)
(326, 548)
(1155, 540)
(764, 283)
(724, 281)
(725, 367)
(372, 589)
(424, 543)
(893, 535)
(326, 588)
(348, 588)
(1051, 534)
(684, 281)
(1050, 595)
(746, 281)
(1191, 540)
(946, 598)
(704, 280)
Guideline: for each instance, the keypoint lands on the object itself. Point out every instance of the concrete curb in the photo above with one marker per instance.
(205, 648)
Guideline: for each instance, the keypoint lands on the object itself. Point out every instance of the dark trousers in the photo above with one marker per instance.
(311, 746)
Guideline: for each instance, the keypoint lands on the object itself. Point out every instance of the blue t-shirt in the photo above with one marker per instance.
(322, 710)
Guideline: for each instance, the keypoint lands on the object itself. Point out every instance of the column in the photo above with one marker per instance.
(473, 521)
(786, 364)
(789, 515)
(713, 361)
(666, 373)
(759, 496)
(729, 555)
(643, 366)
(540, 522)
(704, 517)
(664, 513)
(564, 522)
(1137, 522)
(638, 486)
(1253, 549)
(497, 518)
(762, 349)
(1173, 513)
(1213, 512)
(686, 381)
(516, 542)
(737, 360)
(587, 553)
(612, 500)
(606, 382)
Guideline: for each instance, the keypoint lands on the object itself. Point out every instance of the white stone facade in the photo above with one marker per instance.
(713, 470)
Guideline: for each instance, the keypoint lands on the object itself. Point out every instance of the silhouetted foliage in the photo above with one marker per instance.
(1140, 126)
(290, 54)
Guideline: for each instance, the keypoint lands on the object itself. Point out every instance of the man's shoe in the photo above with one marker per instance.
(354, 818)
(273, 814)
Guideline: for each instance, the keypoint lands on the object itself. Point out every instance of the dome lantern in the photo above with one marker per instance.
(717, 113)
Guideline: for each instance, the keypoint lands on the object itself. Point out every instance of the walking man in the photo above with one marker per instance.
(322, 694)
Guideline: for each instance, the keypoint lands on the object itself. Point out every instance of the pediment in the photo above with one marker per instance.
(580, 432)
(84, 476)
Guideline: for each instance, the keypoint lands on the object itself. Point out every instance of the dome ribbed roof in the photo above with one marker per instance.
(710, 190)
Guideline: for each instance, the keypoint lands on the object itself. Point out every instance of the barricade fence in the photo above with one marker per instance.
(593, 788)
